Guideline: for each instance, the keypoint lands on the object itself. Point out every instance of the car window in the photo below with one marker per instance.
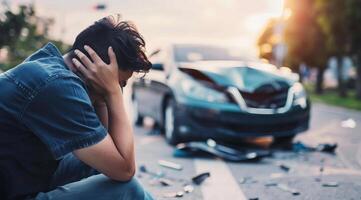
(191, 53)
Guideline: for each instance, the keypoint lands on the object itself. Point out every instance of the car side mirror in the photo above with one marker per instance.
(157, 66)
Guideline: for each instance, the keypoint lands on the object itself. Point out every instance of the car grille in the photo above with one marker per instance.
(270, 100)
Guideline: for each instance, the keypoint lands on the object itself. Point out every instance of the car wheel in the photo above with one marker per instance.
(137, 118)
(170, 125)
(284, 141)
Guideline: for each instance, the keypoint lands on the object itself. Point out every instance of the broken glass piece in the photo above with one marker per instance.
(247, 179)
(188, 188)
(173, 194)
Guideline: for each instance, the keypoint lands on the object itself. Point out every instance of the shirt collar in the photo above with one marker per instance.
(52, 49)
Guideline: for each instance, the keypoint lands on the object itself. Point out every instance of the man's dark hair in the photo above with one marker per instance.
(122, 36)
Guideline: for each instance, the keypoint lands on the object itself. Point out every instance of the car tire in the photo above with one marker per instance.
(137, 118)
(170, 123)
(284, 141)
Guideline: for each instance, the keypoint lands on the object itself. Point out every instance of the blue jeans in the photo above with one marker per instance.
(75, 180)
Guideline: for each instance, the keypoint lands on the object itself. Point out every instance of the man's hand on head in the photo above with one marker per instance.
(103, 78)
(114, 155)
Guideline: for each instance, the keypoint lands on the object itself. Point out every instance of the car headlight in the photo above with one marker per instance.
(300, 96)
(196, 90)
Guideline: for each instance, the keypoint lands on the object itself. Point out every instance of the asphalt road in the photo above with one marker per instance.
(249, 180)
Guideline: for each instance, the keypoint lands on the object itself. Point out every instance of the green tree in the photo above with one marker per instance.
(354, 27)
(332, 18)
(12, 25)
(22, 33)
(305, 39)
(266, 40)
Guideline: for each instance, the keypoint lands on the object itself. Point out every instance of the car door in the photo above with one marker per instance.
(139, 94)
(154, 92)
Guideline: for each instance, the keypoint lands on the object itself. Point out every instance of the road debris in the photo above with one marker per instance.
(210, 147)
(143, 168)
(276, 175)
(284, 167)
(286, 188)
(170, 165)
(253, 198)
(349, 123)
(198, 179)
(242, 180)
(165, 181)
(329, 148)
(173, 194)
(319, 178)
(301, 147)
(330, 184)
(188, 188)
(270, 184)
(247, 180)
(283, 187)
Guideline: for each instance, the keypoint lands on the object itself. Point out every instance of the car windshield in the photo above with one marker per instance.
(191, 53)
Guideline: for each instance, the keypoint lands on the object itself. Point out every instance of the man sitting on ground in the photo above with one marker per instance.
(64, 130)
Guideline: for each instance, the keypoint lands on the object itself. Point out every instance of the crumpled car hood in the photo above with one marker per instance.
(238, 74)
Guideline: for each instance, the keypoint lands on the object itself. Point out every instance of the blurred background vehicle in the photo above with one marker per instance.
(196, 92)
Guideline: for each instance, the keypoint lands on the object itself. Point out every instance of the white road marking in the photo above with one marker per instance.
(221, 185)
(358, 155)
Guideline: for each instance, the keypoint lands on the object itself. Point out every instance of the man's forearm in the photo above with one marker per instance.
(102, 112)
(120, 128)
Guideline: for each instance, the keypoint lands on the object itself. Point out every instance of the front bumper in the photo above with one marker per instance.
(201, 122)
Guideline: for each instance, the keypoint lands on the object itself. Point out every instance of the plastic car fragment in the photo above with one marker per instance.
(211, 147)
(165, 182)
(200, 178)
(283, 187)
(330, 184)
(159, 174)
(328, 148)
(284, 167)
(170, 165)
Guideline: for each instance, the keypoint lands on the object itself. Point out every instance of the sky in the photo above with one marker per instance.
(225, 22)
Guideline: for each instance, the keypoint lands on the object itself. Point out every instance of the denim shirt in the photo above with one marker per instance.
(45, 113)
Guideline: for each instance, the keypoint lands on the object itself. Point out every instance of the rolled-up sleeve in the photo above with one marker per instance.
(61, 116)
